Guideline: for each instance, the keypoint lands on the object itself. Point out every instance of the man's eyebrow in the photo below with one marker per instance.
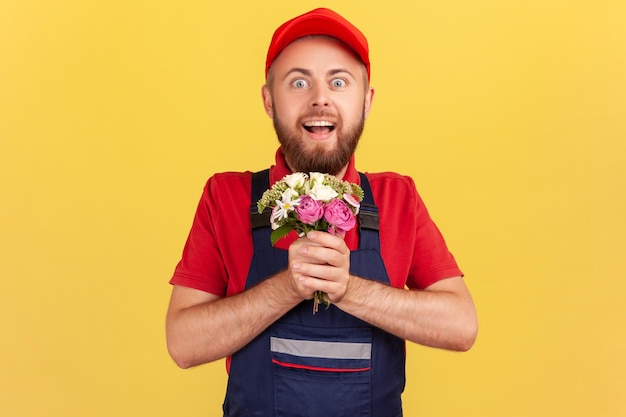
(339, 71)
(300, 70)
(308, 73)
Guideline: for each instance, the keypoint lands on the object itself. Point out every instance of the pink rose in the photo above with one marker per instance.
(350, 199)
(339, 216)
(309, 210)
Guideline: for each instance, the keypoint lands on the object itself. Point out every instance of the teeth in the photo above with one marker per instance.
(318, 123)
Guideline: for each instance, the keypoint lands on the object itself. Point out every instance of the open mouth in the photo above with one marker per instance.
(319, 126)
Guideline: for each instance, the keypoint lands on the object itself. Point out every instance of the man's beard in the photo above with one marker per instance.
(303, 158)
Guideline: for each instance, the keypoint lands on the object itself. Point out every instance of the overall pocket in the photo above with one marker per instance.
(321, 371)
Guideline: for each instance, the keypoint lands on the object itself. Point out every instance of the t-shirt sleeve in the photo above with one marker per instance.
(413, 249)
(432, 260)
(201, 266)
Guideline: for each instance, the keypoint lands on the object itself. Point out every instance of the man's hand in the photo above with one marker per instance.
(320, 262)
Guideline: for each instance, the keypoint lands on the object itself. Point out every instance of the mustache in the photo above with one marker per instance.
(320, 113)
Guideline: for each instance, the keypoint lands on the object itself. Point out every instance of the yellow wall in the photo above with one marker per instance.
(510, 115)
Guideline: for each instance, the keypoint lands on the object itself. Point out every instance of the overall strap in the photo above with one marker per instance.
(273, 259)
(368, 218)
(260, 183)
(368, 215)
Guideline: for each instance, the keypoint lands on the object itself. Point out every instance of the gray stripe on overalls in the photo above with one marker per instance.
(328, 350)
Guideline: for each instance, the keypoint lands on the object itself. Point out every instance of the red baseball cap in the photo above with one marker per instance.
(318, 22)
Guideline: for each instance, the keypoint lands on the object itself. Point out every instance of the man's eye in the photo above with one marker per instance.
(299, 83)
(338, 83)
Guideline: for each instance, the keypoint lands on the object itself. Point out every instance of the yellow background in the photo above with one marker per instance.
(510, 115)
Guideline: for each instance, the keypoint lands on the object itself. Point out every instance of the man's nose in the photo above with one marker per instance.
(320, 96)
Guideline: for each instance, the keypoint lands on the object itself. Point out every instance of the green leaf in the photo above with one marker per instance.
(281, 232)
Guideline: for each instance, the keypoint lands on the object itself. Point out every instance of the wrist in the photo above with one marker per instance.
(283, 291)
(354, 294)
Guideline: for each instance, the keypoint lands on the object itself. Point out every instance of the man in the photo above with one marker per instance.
(388, 281)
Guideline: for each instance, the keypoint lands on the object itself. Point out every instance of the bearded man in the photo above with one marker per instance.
(389, 280)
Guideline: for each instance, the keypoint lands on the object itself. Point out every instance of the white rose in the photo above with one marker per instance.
(295, 180)
(322, 193)
(316, 178)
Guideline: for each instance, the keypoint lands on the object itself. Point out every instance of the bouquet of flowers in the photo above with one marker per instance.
(316, 201)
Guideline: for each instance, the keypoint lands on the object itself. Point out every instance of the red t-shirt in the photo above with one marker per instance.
(219, 247)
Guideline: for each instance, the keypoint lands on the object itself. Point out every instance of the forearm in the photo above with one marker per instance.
(211, 330)
(442, 316)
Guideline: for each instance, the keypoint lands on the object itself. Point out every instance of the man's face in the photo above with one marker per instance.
(318, 100)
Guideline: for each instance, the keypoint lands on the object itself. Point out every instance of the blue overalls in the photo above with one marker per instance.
(328, 364)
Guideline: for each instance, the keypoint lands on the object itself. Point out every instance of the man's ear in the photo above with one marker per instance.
(369, 100)
(266, 95)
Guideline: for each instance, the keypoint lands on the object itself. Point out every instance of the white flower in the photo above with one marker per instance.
(289, 202)
(322, 193)
(274, 218)
(289, 195)
(316, 178)
(295, 180)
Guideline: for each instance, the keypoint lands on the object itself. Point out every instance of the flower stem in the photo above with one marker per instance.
(320, 297)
